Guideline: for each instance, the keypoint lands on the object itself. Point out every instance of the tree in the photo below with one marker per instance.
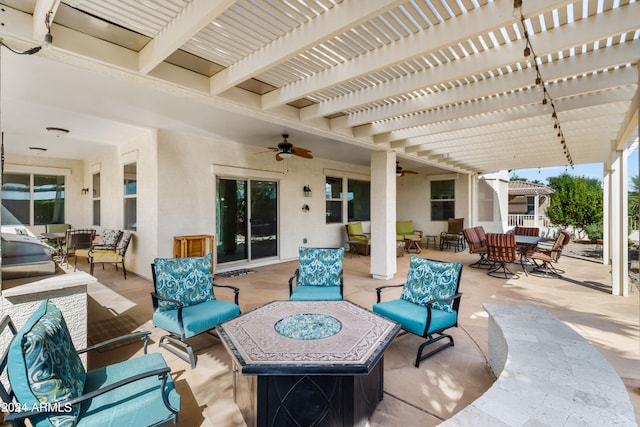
(634, 203)
(577, 201)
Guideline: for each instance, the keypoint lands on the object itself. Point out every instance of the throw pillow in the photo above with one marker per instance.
(44, 366)
(428, 280)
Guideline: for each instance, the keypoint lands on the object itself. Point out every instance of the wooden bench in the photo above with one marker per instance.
(547, 375)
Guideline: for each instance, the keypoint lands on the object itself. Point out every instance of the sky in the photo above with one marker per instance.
(590, 170)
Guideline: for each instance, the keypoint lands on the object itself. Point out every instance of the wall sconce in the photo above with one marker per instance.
(305, 208)
(85, 191)
(307, 191)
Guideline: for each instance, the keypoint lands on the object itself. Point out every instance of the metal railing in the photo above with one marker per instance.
(528, 221)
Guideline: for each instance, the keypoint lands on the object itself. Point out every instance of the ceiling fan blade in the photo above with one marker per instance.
(278, 158)
(302, 152)
(413, 172)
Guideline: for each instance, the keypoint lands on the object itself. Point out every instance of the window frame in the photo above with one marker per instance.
(442, 201)
(32, 175)
(129, 198)
(345, 198)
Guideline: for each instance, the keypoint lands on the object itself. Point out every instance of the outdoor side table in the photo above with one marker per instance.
(308, 362)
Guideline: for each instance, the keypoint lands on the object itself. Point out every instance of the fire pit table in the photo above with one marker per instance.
(308, 362)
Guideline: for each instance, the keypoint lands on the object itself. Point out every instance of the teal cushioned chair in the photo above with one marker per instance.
(184, 302)
(428, 303)
(49, 385)
(318, 276)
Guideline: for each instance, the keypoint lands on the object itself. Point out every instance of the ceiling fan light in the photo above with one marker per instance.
(285, 155)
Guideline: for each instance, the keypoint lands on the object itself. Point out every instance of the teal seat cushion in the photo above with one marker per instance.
(320, 266)
(315, 293)
(196, 318)
(428, 279)
(138, 403)
(413, 317)
(188, 280)
(43, 365)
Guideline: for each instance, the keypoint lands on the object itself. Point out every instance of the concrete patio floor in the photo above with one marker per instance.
(425, 396)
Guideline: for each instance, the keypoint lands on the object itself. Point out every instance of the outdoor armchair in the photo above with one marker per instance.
(49, 386)
(453, 235)
(318, 276)
(428, 304)
(108, 252)
(77, 239)
(356, 236)
(544, 259)
(526, 231)
(184, 302)
(405, 230)
(501, 250)
(477, 243)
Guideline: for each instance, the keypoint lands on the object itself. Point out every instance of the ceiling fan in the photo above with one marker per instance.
(285, 149)
(401, 172)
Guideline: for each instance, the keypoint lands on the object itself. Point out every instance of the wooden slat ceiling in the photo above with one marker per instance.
(441, 82)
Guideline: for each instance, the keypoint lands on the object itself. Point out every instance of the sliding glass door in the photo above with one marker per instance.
(247, 213)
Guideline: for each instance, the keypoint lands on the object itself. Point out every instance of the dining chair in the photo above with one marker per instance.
(453, 235)
(77, 239)
(501, 250)
(477, 242)
(544, 259)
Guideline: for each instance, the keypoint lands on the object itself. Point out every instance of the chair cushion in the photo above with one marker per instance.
(196, 318)
(428, 280)
(135, 404)
(44, 366)
(315, 293)
(123, 244)
(404, 227)
(103, 255)
(110, 237)
(354, 228)
(413, 317)
(189, 280)
(320, 266)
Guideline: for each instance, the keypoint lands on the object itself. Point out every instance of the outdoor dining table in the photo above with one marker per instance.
(524, 244)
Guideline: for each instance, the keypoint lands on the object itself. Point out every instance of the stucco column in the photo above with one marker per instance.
(383, 215)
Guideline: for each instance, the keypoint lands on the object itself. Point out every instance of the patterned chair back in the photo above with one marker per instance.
(501, 247)
(320, 266)
(430, 279)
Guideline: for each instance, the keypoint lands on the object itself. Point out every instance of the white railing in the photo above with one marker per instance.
(528, 221)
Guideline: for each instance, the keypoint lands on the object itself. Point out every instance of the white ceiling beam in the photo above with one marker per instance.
(530, 100)
(336, 20)
(577, 65)
(596, 27)
(40, 12)
(491, 16)
(569, 107)
(510, 124)
(190, 21)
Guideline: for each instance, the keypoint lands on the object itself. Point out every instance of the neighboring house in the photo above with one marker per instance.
(528, 203)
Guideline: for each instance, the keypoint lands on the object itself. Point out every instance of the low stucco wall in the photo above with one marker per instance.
(67, 291)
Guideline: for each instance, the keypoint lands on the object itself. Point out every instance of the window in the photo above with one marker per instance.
(129, 192)
(33, 199)
(531, 205)
(333, 190)
(358, 200)
(442, 200)
(96, 199)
